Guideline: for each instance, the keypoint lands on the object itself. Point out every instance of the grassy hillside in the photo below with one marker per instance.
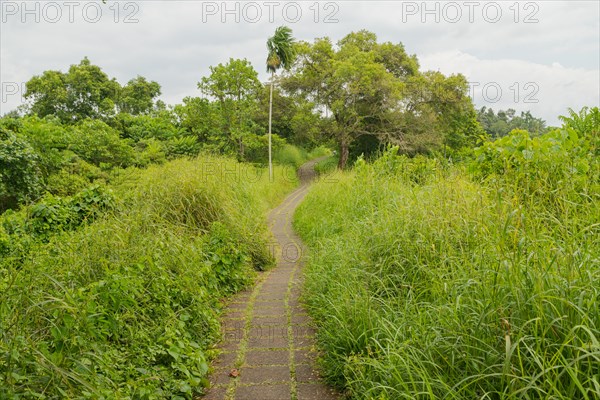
(125, 304)
(460, 282)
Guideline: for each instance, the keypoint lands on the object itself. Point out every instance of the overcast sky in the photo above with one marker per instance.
(542, 56)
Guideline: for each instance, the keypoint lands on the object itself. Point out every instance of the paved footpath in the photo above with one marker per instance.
(269, 347)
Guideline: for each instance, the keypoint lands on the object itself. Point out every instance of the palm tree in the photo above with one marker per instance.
(587, 121)
(281, 54)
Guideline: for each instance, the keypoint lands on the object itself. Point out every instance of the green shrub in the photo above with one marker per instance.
(99, 144)
(19, 171)
(182, 146)
(319, 151)
(290, 155)
(151, 151)
(52, 214)
(139, 127)
(560, 162)
(256, 148)
(49, 138)
(65, 183)
(327, 166)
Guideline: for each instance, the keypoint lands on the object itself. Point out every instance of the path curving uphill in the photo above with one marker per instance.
(269, 347)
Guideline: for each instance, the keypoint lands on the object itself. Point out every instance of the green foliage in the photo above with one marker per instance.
(501, 123)
(85, 91)
(127, 306)
(427, 282)
(327, 166)
(49, 138)
(52, 214)
(160, 125)
(182, 146)
(152, 152)
(294, 119)
(587, 122)
(290, 155)
(319, 151)
(377, 95)
(541, 165)
(306, 125)
(199, 117)
(137, 96)
(19, 170)
(99, 144)
(65, 183)
(11, 122)
(257, 147)
(281, 49)
(235, 87)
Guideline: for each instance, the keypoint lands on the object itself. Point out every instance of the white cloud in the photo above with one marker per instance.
(546, 90)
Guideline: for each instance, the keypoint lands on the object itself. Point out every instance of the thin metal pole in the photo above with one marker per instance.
(270, 118)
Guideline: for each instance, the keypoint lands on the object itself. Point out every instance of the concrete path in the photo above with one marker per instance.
(269, 348)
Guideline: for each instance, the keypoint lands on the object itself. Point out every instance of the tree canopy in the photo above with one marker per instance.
(281, 51)
(501, 123)
(375, 89)
(235, 87)
(85, 91)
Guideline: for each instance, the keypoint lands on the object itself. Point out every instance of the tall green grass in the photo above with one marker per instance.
(127, 306)
(295, 156)
(429, 283)
(327, 166)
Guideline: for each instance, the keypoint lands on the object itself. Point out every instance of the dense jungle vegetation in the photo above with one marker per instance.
(453, 252)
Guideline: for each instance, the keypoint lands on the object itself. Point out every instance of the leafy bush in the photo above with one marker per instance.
(586, 122)
(182, 146)
(327, 166)
(49, 139)
(290, 155)
(559, 161)
(64, 183)
(19, 171)
(151, 151)
(256, 148)
(99, 144)
(319, 151)
(52, 214)
(161, 126)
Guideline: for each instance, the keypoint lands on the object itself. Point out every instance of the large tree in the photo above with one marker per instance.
(138, 96)
(375, 90)
(438, 113)
(199, 117)
(235, 87)
(85, 91)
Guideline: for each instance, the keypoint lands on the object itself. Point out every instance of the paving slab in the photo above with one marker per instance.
(256, 357)
(263, 392)
(265, 374)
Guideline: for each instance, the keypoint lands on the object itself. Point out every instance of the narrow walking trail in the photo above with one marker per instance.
(269, 349)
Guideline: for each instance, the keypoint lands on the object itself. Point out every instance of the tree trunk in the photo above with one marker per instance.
(344, 152)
